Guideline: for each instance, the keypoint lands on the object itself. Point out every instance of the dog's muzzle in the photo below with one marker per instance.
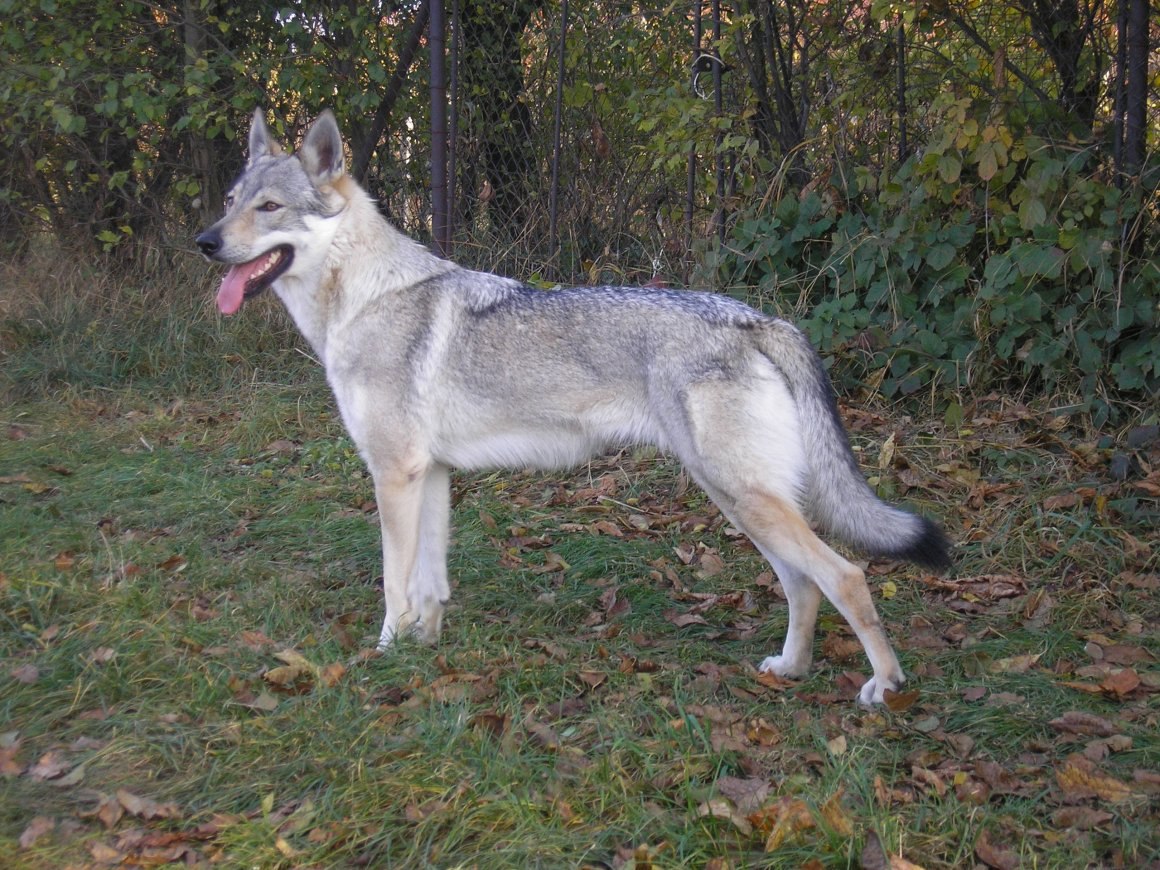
(209, 242)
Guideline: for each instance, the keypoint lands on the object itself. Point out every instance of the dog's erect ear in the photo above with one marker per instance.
(261, 143)
(321, 151)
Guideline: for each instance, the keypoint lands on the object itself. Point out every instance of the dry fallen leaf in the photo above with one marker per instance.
(930, 779)
(593, 679)
(49, 766)
(1081, 818)
(747, 795)
(36, 829)
(105, 854)
(264, 703)
(146, 808)
(1063, 500)
(835, 815)
(1126, 654)
(711, 565)
(837, 745)
(74, 777)
(681, 620)
(1020, 664)
(1121, 683)
(1079, 722)
(102, 655)
(721, 808)
(995, 856)
(604, 527)
(774, 681)
(840, 648)
(897, 702)
(874, 857)
(26, 674)
(286, 676)
(9, 766)
(109, 811)
(491, 723)
(294, 659)
(1079, 778)
(781, 819)
(255, 640)
(543, 735)
(761, 733)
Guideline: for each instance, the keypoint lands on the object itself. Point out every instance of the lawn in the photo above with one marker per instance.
(190, 587)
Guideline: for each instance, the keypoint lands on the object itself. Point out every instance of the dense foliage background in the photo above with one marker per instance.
(957, 199)
(950, 196)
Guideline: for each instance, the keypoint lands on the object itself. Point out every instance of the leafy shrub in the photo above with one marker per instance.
(985, 259)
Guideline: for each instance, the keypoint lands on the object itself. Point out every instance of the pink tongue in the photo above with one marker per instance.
(231, 293)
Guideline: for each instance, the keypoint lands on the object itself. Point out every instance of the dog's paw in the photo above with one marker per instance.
(430, 623)
(874, 691)
(424, 629)
(393, 627)
(782, 666)
(424, 632)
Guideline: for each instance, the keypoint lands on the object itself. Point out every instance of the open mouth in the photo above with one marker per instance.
(246, 280)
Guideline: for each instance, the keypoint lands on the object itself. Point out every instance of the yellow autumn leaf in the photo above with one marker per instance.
(1020, 664)
(886, 454)
(835, 815)
(781, 819)
(1079, 776)
(294, 659)
(285, 676)
(330, 675)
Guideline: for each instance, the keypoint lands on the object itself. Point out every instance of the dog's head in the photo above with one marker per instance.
(273, 210)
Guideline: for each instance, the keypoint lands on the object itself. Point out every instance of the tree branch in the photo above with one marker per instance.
(362, 155)
(975, 37)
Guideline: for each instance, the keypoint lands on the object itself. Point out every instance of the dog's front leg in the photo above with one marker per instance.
(427, 587)
(399, 493)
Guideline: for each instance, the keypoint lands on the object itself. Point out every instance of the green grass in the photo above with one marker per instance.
(166, 533)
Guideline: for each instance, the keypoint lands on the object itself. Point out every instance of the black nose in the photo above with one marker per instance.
(209, 243)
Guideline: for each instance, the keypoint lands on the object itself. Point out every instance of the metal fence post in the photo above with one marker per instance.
(439, 214)
(554, 193)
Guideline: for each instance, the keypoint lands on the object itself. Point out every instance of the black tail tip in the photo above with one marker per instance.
(930, 549)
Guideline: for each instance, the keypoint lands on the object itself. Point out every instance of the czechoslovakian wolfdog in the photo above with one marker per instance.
(435, 366)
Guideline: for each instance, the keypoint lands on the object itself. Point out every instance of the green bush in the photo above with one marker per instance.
(987, 258)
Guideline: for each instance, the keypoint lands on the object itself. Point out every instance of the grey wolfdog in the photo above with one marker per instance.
(435, 366)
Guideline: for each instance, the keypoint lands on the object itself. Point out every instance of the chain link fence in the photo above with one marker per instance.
(538, 153)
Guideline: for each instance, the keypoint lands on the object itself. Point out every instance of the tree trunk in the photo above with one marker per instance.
(201, 150)
(1136, 110)
(498, 123)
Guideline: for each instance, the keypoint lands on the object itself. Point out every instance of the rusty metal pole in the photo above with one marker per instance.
(554, 193)
(453, 127)
(719, 214)
(436, 42)
(691, 189)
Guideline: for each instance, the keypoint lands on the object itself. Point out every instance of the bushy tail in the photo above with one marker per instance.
(838, 498)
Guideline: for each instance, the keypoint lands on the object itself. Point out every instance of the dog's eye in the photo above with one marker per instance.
(269, 205)
(229, 201)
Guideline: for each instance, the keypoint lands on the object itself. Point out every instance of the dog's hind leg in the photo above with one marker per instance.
(802, 594)
(741, 440)
(803, 597)
(427, 587)
(779, 530)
